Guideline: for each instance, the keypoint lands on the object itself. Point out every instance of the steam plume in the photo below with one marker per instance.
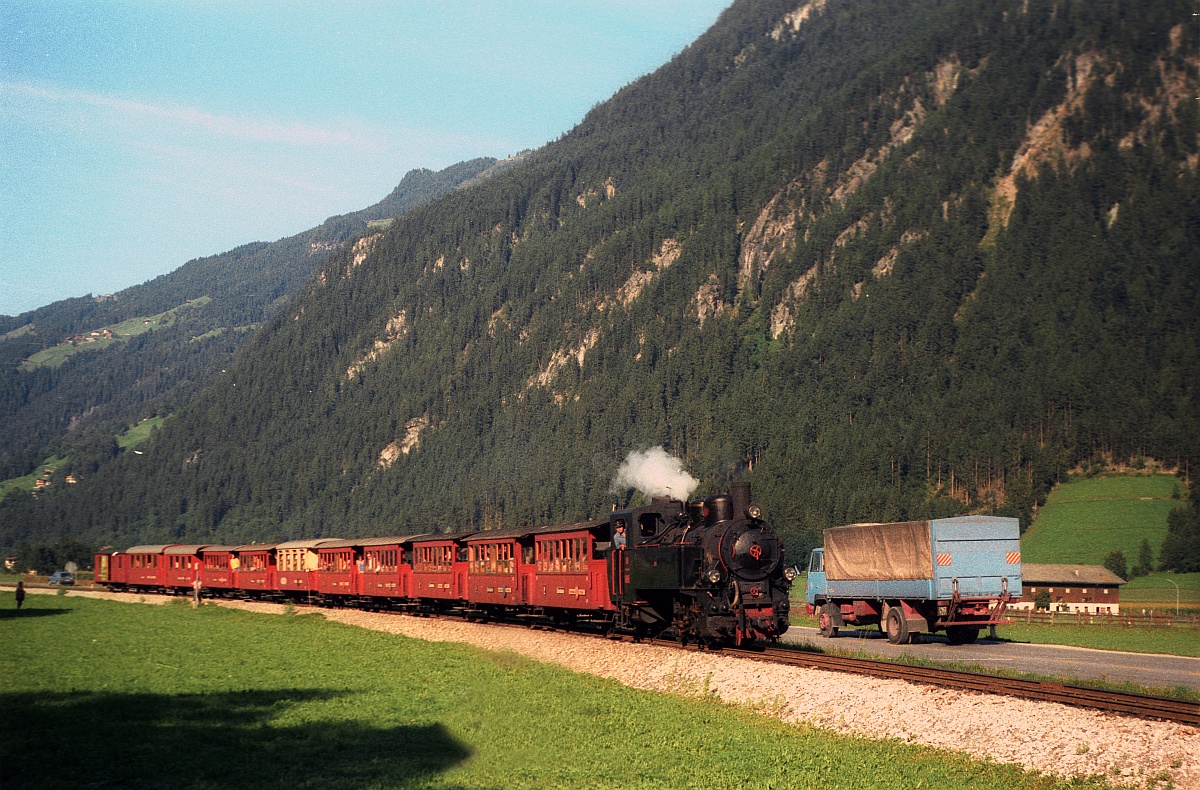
(654, 472)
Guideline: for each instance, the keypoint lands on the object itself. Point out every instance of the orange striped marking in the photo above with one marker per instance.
(943, 559)
(1013, 558)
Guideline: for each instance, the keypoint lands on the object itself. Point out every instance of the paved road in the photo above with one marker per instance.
(1155, 671)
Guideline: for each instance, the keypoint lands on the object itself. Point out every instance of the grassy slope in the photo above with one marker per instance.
(217, 698)
(139, 433)
(1084, 520)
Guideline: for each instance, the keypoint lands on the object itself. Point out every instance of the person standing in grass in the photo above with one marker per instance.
(196, 585)
(20, 594)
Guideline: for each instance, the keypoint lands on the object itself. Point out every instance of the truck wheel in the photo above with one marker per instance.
(962, 634)
(825, 620)
(897, 626)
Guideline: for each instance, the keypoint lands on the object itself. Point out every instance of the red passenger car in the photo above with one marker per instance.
(338, 565)
(492, 562)
(439, 568)
(220, 565)
(569, 568)
(181, 563)
(387, 568)
(256, 568)
(142, 565)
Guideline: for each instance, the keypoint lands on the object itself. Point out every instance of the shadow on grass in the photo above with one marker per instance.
(16, 614)
(227, 740)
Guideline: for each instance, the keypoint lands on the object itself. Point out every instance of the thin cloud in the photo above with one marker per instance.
(265, 131)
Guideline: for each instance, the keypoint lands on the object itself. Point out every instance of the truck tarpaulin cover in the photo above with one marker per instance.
(879, 551)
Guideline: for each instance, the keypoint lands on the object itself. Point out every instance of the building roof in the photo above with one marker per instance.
(1092, 575)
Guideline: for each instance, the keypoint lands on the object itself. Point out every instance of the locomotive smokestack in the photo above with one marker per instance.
(741, 499)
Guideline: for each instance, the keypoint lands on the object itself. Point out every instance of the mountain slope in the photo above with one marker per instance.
(885, 259)
(46, 410)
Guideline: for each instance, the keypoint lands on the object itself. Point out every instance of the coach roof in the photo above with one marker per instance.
(429, 537)
(392, 540)
(306, 543)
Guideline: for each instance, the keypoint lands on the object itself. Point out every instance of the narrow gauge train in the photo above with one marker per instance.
(708, 571)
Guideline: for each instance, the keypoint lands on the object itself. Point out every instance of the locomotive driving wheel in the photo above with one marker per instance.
(826, 622)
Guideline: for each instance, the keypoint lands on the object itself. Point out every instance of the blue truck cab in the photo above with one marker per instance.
(954, 574)
(816, 584)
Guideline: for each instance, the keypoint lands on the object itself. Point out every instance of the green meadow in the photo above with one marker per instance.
(1083, 520)
(138, 433)
(100, 694)
(1162, 591)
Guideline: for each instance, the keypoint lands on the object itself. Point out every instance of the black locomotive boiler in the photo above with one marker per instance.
(709, 571)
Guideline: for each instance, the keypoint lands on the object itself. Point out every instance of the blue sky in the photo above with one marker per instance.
(136, 136)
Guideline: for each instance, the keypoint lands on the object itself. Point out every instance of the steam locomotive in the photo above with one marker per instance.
(708, 572)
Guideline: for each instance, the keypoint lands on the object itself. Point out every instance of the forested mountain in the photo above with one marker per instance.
(76, 408)
(883, 258)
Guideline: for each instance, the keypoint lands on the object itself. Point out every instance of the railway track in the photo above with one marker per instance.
(1141, 705)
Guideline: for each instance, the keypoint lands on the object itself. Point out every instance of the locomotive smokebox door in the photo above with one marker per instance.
(751, 551)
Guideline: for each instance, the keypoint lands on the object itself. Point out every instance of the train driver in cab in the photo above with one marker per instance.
(618, 541)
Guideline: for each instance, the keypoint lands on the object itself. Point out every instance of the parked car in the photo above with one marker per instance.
(61, 577)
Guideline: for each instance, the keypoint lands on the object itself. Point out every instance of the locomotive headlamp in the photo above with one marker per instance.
(714, 575)
(789, 573)
(754, 511)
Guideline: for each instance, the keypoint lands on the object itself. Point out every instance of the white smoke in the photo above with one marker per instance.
(654, 472)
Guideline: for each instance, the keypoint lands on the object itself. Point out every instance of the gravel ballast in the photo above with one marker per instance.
(1043, 736)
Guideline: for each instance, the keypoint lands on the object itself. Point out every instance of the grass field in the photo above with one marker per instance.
(1084, 520)
(1174, 641)
(101, 694)
(139, 433)
(1158, 590)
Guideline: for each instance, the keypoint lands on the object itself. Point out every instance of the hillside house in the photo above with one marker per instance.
(1072, 588)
